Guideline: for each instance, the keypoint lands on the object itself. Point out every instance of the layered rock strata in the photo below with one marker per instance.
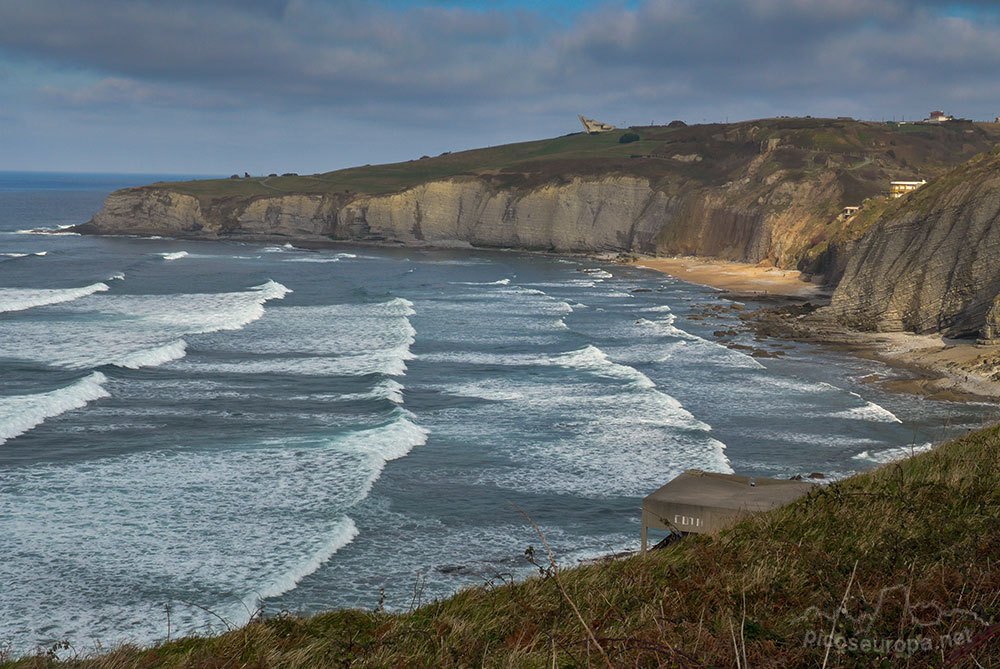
(933, 263)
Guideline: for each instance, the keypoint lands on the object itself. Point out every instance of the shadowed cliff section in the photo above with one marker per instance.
(766, 190)
(931, 263)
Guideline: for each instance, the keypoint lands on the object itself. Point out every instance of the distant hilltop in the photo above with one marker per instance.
(792, 192)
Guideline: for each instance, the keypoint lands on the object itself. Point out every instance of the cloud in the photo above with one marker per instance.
(288, 53)
(118, 93)
(353, 55)
(507, 68)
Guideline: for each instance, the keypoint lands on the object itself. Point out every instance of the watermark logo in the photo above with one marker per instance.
(930, 625)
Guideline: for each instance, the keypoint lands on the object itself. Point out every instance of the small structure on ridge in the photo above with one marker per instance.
(593, 127)
(848, 212)
(938, 117)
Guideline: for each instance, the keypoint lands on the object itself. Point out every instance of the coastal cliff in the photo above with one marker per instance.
(931, 263)
(758, 191)
(617, 213)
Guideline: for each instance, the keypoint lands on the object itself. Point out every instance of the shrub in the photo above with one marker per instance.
(628, 137)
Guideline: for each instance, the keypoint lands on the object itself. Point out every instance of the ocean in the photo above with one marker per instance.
(198, 430)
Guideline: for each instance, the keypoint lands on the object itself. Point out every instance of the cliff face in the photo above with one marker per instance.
(617, 213)
(153, 212)
(931, 263)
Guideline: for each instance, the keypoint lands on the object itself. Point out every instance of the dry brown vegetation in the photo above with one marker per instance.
(906, 554)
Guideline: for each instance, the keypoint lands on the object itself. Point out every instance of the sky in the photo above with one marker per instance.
(224, 86)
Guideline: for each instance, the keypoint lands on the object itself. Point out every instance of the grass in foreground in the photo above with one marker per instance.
(900, 564)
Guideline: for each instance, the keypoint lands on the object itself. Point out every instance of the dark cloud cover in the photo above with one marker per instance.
(455, 75)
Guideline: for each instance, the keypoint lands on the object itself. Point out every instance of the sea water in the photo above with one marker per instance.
(198, 430)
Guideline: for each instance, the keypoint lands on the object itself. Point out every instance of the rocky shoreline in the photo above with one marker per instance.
(957, 370)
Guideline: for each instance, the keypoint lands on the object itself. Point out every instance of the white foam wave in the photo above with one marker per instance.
(343, 340)
(389, 389)
(501, 282)
(20, 413)
(24, 255)
(197, 313)
(132, 329)
(319, 259)
(343, 533)
(176, 255)
(692, 343)
(19, 299)
(568, 283)
(608, 438)
(660, 308)
(58, 230)
(390, 362)
(893, 454)
(598, 273)
(391, 441)
(870, 411)
(596, 361)
(481, 358)
(212, 521)
(272, 290)
(154, 357)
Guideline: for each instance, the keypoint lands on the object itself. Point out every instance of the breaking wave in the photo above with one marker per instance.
(133, 330)
(892, 454)
(21, 413)
(870, 411)
(19, 299)
(154, 357)
(343, 533)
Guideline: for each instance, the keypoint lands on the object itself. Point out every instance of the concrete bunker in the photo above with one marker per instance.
(699, 502)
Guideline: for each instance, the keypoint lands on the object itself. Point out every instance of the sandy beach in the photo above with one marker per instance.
(941, 368)
(734, 277)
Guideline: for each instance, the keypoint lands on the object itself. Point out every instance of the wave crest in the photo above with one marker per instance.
(19, 299)
(24, 412)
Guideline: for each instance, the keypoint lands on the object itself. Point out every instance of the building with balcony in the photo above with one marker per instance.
(900, 188)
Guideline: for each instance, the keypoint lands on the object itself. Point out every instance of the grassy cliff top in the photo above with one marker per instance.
(907, 552)
(710, 154)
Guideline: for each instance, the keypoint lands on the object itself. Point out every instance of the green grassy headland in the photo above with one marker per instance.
(867, 151)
